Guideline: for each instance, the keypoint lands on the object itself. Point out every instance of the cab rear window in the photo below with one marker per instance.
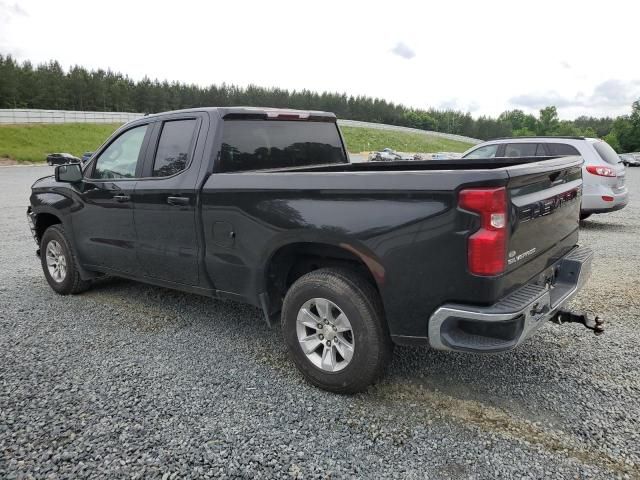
(262, 144)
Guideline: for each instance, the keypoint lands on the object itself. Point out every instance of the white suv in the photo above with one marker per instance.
(603, 174)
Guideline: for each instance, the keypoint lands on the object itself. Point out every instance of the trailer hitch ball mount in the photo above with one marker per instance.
(567, 316)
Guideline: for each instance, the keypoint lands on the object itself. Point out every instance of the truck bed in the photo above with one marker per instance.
(402, 217)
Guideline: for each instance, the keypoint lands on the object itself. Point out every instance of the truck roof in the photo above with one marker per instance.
(257, 111)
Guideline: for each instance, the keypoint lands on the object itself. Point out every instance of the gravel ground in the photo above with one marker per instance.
(129, 380)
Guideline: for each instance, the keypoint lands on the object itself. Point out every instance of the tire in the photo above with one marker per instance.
(347, 293)
(584, 216)
(55, 250)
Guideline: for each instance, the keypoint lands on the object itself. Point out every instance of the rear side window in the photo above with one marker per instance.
(562, 149)
(520, 150)
(174, 147)
(488, 151)
(260, 144)
(606, 153)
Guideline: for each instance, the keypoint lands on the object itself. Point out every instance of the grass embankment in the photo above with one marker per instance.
(371, 139)
(32, 143)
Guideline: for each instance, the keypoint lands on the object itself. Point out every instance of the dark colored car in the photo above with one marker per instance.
(61, 158)
(86, 156)
(262, 206)
(630, 159)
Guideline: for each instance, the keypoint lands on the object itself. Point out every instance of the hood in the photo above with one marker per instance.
(44, 181)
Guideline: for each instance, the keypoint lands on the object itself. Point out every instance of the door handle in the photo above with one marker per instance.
(122, 198)
(178, 200)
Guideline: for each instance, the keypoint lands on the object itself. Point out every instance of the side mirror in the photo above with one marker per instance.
(69, 173)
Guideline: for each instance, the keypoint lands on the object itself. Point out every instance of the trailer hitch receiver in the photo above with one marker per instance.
(567, 316)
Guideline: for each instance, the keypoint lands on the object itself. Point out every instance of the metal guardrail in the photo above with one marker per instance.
(18, 115)
(24, 115)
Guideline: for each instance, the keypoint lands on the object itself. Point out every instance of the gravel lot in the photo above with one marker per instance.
(129, 380)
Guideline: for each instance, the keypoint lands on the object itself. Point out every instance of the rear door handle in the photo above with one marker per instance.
(178, 200)
(122, 198)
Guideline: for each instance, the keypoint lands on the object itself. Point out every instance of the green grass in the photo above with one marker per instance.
(370, 139)
(32, 143)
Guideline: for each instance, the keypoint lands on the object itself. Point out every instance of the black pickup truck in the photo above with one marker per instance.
(262, 206)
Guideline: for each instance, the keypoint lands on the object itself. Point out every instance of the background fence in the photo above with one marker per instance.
(70, 116)
(19, 115)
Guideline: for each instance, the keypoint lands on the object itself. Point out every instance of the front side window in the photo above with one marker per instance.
(520, 150)
(261, 144)
(120, 159)
(174, 147)
(488, 151)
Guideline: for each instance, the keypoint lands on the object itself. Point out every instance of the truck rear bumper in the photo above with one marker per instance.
(514, 318)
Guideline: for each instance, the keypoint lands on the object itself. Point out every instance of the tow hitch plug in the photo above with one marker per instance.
(567, 316)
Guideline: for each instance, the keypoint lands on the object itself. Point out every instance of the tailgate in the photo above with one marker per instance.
(545, 208)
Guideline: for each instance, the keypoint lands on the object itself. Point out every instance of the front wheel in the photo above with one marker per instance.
(333, 325)
(59, 263)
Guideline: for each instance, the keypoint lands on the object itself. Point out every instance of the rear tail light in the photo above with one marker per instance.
(601, 171)
(607, 198)
(486, 248)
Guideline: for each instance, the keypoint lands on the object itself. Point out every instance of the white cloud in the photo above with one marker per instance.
(10, 10)
(482, 54)
(610, 94)
(403, 50)
(458, 104)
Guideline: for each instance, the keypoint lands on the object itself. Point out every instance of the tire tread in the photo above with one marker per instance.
(367, 301)
(77, 285)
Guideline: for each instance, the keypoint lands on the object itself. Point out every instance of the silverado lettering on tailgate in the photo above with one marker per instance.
(548, 205)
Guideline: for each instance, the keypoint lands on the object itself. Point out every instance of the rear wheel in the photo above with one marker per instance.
(59, 264)
(584, 216)
(333, 325)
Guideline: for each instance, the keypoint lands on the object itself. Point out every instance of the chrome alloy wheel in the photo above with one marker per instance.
(325, 334)
(56, 261)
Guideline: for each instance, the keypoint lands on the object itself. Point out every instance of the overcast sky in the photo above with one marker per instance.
(478, 56)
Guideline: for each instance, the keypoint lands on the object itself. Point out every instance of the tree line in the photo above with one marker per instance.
(49, 86)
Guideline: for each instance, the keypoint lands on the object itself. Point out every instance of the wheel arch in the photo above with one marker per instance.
(44, 220)
(290, 261)
(47, 217)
